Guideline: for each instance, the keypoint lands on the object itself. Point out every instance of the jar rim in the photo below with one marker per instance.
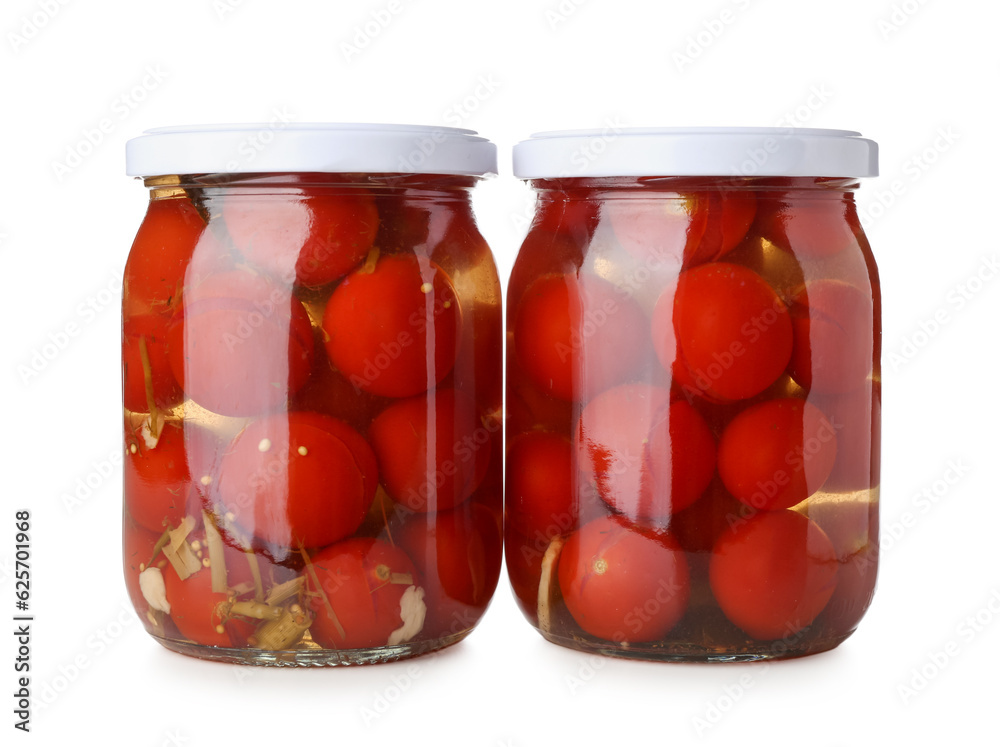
(696, 151)
(283, 146)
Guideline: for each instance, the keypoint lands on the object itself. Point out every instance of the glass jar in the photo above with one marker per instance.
(311, 350)
(693, 393)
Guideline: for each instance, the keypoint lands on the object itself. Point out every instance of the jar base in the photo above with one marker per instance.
(310, 657)
(687, 652)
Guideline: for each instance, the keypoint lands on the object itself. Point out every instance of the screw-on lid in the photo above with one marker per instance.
(696, 151)
(298, 147)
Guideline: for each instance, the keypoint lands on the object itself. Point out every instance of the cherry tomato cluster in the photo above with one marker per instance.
(312, 414)
(693, 394)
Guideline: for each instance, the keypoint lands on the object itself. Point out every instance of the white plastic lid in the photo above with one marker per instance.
(298, 147)
(696, 151)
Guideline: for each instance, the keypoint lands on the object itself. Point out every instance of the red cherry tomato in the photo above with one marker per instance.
(611, 442)
(852, 527)
(724, 331)
(404, 221)
(543, 252)
(150, 331)
(668, 227)
(364, 581)
(394, 330)
(691, 227)
(571, 213)
(195, 608)
(809, 226)
(479, 365)
(457, 554)
(777, 453)
(362, 451)
(308, 239)
(730, 214)
(463, 254)
(773, 574)
(157, 485)
(856, 417)
(459, 550)
(699, 525)
(681, 458)
(576, 335)
(527, 407)
(540, 495)
(832, 324)
(856, 577)
(434, 475)
(327, 391)
(163, 246)
(780, 269)
(622, 585)
(203, 450)
(241, 345)
(298, 478)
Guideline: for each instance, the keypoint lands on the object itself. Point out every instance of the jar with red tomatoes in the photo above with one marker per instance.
(693, 393)
(311, 357)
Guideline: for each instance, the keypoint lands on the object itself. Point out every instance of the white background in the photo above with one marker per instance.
(920, 78)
